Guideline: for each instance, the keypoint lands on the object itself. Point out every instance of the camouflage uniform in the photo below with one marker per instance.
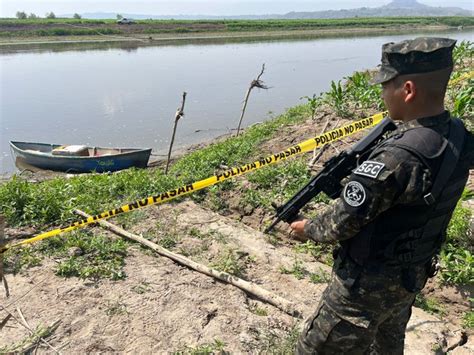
(367, 304)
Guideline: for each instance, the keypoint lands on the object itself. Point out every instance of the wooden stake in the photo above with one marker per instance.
(2, 243)
(251, 288)
(257, 83)
(177, 116)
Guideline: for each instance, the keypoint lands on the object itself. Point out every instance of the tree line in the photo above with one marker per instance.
(23, 15)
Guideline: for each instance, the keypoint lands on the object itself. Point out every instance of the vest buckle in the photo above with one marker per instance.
(429, 199)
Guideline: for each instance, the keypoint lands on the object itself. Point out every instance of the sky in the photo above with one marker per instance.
(8, 8)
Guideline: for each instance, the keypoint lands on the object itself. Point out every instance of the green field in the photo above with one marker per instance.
(83, 27)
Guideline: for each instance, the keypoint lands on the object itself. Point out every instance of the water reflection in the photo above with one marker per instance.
(126, 94)
(133, 45)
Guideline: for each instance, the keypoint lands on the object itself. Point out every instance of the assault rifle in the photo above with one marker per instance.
(329, 179)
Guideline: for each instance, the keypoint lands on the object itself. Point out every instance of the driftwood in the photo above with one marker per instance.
(2, 243)
(177, 116)
(255, 290)
(257, 83)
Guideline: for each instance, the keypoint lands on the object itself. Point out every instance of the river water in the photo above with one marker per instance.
(126, 96)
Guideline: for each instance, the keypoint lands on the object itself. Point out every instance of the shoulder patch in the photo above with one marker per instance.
(354, 194)
(370, 169)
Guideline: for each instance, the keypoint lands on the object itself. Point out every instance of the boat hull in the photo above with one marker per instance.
(39, 155)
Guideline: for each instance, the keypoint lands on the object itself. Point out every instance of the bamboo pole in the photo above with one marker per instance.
(251, 288)
(177, 116)
(257, 83)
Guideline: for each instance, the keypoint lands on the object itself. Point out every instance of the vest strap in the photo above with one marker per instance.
(450, 160)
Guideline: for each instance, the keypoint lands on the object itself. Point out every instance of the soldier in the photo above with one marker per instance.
(392, 215)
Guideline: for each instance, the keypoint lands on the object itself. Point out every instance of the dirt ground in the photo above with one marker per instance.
(164, 307)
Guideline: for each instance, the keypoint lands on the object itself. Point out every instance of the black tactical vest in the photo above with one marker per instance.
(411, 234)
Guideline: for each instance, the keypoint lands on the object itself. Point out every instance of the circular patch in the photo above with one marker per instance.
(354, 194)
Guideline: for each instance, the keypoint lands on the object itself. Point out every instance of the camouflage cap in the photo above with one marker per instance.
(419, 55)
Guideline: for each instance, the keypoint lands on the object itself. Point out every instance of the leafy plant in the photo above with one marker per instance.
(336, 97)
(297, 269)
(232, 262)
(313, 102)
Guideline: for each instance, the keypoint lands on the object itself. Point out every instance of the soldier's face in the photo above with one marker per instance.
(392, 95)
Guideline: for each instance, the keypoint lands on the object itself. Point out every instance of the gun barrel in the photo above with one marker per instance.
(274, 223)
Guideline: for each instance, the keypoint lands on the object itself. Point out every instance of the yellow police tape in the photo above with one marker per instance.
(465, 76)
(310, 144)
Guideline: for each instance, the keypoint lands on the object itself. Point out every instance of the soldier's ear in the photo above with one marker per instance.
(409, 91)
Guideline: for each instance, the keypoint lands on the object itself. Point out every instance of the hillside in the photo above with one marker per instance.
(396, 8)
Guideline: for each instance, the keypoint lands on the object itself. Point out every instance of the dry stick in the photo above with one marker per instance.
(22, 321)
(275, 300)
(322, 150)
(46, 333)
(257, 83)
(27, 326)
(177, 116)
(5, 321)
(2, 243)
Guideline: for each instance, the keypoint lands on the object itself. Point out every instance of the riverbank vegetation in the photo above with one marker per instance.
(49, 204)
(45, 27)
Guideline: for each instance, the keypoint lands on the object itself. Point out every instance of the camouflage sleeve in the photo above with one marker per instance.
(388, 178)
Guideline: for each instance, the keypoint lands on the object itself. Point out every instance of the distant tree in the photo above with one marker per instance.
(21, 15)
(50, 15)
(77, 16)
(32, 16)
(119, 17)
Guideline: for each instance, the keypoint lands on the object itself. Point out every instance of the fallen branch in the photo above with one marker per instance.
(257, 83)
(255, 290)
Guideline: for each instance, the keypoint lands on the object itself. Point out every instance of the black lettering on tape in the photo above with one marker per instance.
(118, 210)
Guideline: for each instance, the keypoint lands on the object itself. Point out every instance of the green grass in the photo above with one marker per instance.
(273, 343)
(233, 262)
(430, 305)
(320, 277)
(468, 320)
(96, 256)
(81, 27)
(215, 347)
(297, 270)
(457, 255)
